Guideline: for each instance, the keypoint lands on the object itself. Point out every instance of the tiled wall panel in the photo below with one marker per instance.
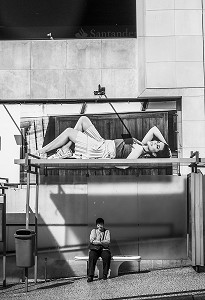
(161, 74)
(14, 55)
(189, 48)
(14, 84)
(81, 83)
(193, 108)
(66, 69)
(159, 49)
(193, 134)
(159, 4)
(160, 23)
(189, 74)
(188, 22)
(119, 54)
(47, 84)
(118, 82)
(187, 4)
(48, 55)
(83, 54)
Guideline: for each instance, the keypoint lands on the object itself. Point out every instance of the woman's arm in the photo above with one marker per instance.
(136, 151)
(150, 134)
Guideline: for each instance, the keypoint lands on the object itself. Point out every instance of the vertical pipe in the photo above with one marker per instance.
(26, 279)
(138, 266)
(203, 42)
(36, 225)
(197, 217)
(28, 189)
(137, 214)
(45, 269)
(27, 200)
(201, 221)
(193, 230)
(4, 238)
(188, 214)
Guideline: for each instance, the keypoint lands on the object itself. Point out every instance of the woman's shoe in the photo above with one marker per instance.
(40, 155)
(60, 153)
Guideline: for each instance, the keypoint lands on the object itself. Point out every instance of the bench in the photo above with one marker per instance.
(116, 262)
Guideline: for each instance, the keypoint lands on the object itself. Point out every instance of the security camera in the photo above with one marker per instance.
(100, 91)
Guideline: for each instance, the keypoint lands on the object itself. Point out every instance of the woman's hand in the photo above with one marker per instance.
(154, 131)
(135, 141)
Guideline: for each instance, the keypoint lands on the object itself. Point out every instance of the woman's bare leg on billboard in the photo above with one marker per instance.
(68, 136)
(82, 125)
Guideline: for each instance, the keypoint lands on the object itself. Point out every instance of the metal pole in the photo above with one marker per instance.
(4, 238)
(119, 117)
(45, 271)
(27, 200)
(28, 191)
(26, 279)
(36, 226)
(27, 208)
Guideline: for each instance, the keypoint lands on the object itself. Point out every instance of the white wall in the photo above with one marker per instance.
(9, 148)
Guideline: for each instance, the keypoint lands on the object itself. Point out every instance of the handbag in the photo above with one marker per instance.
(95, 247)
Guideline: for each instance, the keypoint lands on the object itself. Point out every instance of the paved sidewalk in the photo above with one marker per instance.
(177, 283)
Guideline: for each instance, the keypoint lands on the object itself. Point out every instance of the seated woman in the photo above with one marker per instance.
(89, 144)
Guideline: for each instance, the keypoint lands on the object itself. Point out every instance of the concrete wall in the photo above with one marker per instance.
(66, 69)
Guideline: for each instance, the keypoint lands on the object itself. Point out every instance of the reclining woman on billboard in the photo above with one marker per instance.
(89, 144)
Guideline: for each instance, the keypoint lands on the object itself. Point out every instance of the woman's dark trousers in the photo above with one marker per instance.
(93, 257)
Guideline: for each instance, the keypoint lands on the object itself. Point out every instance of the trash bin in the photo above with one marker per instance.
(25, 248)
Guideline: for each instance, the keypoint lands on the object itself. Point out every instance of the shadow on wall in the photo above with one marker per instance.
(51, 256)
(71, 212)
(146, 216)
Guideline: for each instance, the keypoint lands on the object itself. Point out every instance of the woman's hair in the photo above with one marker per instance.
(165, 152)
(99, 221)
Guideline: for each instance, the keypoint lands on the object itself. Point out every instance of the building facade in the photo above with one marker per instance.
(165, 61)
